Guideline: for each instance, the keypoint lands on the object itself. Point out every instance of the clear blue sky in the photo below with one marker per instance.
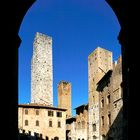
(77, 27)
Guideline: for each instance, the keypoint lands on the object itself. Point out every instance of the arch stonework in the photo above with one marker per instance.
(119, 8)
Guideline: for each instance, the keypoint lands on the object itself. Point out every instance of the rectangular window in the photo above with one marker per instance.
(37, 112)
(26, 111)
(94, 127)
(50, 123)
(50, 113)
(109, 119)
(59, 114)
(108, 99)
(59, 124)
(102, 103)
(102, 120)
(37, 123)
(26, 122)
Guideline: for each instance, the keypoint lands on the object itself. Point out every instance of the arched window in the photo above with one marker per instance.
(102, 103)
(37, 123)
(108, 99)
(26, 122)
(102, 120)
(47, 138)
(109, 119)
(94, 127)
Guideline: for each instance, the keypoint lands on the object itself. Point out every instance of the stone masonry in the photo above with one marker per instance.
(99, 62)
(77, 127)
(111, 102)
(64, 97)
(47, 122)
(41, 70)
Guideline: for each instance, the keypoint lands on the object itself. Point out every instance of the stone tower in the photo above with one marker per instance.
(99, 62)
(42, 70)
(64, 96)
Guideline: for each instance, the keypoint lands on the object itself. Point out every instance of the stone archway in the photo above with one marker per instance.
(118, 7)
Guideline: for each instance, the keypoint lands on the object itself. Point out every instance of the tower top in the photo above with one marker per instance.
(63, 82)
(98, 49)
(42, 35)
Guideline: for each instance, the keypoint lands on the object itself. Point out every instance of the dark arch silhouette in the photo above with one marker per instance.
(56, 138)
(22, 6)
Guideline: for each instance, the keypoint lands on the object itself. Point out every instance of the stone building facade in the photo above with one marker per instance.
(71, 128)
(48, 123)
(99, 62)
(111, 103)
(64, 97)
(42, 70)
(77, 127)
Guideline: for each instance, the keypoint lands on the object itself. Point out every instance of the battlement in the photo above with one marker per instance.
(64, 83)
(40, 37)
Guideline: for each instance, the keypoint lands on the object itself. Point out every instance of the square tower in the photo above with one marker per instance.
(64, 97)
(42, 70)
(99, 62)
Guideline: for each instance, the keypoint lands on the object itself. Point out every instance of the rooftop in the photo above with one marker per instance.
(70, 120)
(41, 106)
(81, 106)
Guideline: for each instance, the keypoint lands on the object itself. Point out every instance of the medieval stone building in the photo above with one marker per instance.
(101, 118)
(41, 121)
(111, 103)
(99, 62)
(77, 127)
(42, 70)
(64, 97)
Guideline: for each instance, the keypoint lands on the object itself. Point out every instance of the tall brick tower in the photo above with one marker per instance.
(42, 70)
(64, 96)
(99, 62)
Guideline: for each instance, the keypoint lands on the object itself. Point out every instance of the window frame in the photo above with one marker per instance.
(37, 112)
(26, 111)
(26, 123)
(37, 123)
(58, 114)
